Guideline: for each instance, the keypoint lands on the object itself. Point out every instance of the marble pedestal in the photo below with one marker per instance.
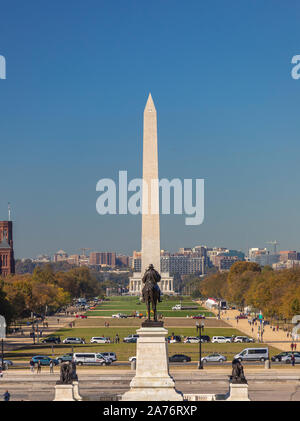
(238, 392)
(67, 392)
(152, 381)
(64, 392)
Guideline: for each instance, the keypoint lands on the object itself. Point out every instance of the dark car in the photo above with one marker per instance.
(278, 357)
(205, 338)
(52, 339)
(199, 316)
(179, 358)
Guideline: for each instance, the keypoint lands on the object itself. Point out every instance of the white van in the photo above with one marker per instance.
(253, 354)
(86, 358)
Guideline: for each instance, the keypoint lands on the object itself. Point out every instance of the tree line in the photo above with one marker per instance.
(275, 292)
(44, 289)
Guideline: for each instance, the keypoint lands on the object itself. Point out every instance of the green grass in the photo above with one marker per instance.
(124, 350)
(128, 305)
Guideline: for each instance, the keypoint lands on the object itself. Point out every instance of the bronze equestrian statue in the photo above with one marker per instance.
(67, 373)
(151, 291)
(238, 376)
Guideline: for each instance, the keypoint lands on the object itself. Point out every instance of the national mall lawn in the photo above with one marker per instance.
(176, 322)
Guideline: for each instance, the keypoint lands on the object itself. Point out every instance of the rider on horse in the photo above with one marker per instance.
(153, 276)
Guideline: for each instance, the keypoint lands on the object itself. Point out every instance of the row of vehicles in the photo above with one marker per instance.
(248, 354)
(80, 358)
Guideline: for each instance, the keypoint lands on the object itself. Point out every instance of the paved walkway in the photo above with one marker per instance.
(277, 339)
(16, 340)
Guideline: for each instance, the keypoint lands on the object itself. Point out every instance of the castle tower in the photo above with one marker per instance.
(7, 261)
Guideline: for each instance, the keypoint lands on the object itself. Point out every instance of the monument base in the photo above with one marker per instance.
(64, 392)
(152, 381)
(238, 392)
(67, 392)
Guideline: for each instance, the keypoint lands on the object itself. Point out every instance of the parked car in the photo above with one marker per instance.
(99, 340)
(253, 354)
(199, 316)
(215, 357)
(243, 339)
(119, 316)
(179, 358)
(65, 358)
(89, 358)
(51, 339)
(74, 341)
(130, 359)
(192, 340)
(173, 339)
(6, 363)
(288, 358)
(111, 355)
(205, 338)
(279, 356)
(220, 340)
(43, 359)
(131, 338)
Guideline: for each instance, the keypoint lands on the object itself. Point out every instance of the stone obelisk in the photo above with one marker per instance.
(150, 202)
(150, 250)
(152, 380)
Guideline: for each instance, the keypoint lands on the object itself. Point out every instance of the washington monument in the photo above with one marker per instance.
(150, 205)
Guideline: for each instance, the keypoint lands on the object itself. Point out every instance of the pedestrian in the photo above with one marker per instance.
(6, 396)
(39, 367)
(295, 346)
(31, 363)
(258, 337)
(51, 366)
(293, 359)
(1, 373)
(58, 321)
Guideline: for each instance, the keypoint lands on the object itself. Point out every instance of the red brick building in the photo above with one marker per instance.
(7, 261)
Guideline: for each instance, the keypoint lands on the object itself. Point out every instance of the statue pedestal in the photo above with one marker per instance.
(152, 381)
(64, 392)
(238, 392)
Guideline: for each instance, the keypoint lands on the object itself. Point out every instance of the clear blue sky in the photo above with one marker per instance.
(78, 76)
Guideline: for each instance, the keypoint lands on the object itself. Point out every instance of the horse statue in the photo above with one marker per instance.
(238, 375)
(151, 291)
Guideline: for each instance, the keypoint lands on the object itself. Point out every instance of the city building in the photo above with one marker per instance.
(288, 264)
(122, 261)
(224, 262)
(60, 256)
(102, 259)
(262, 256)
(288, 255)
(7, 261)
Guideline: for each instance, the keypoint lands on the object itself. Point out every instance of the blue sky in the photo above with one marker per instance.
(78, 76)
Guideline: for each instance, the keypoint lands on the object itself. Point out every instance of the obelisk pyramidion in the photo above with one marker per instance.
(150, 206)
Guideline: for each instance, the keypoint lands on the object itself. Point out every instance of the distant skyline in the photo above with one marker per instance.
(71, 108)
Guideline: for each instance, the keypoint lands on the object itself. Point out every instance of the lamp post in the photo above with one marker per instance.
(200, 327)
